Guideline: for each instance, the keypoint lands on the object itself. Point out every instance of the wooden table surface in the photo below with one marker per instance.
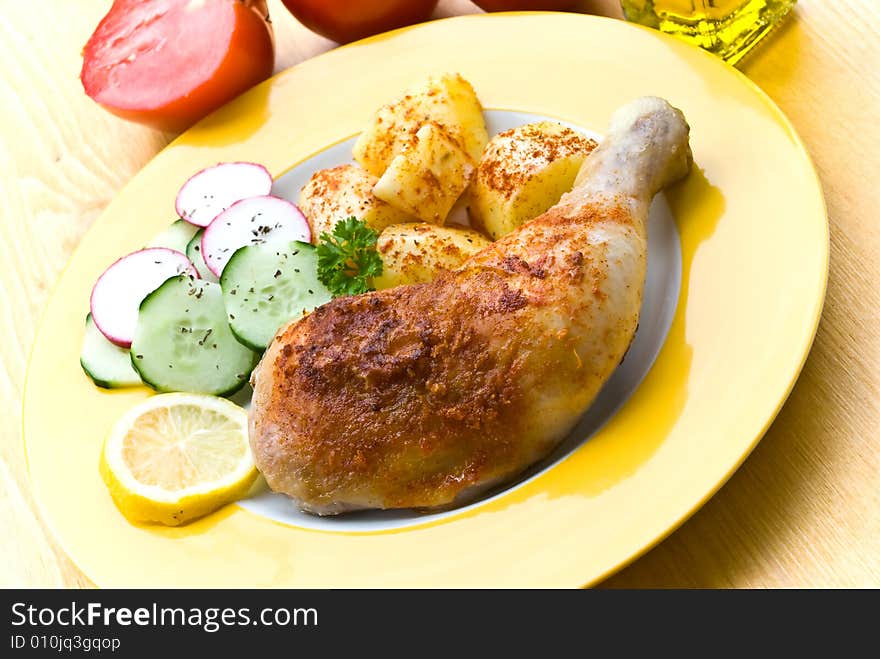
(804, 510)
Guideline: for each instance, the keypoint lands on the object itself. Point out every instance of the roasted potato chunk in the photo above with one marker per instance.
(334, 194)
(428, 177)
(523, 172)
(415, 253)
(448, 100)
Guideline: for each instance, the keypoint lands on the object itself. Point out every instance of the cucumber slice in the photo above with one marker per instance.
(108, 365)
(176, 236)
(182, 341)
(264, 286)
(194, 254)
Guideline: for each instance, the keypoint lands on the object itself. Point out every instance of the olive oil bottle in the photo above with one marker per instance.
(728, 28)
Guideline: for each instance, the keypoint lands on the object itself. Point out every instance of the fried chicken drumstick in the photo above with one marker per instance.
(425, 395)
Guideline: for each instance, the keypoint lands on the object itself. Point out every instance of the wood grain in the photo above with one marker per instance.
(804, 510)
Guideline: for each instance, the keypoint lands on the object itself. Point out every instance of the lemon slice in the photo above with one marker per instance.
(176, 457)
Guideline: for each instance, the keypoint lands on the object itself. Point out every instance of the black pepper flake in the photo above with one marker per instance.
(277, 274)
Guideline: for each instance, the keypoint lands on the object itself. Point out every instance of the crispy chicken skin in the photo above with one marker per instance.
(421, 396)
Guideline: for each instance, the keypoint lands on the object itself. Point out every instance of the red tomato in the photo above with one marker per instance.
(168, 63)
(350, 20)
(523, 5)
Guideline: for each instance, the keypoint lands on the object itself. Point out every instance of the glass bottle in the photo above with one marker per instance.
(728, 28)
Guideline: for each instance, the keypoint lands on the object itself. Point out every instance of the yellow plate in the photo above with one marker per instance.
(754, 241)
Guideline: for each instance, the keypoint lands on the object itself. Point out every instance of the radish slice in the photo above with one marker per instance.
(118, 292)
(211, 191)
(254, 221)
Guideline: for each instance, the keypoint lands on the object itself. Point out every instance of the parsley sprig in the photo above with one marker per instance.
(347, 258)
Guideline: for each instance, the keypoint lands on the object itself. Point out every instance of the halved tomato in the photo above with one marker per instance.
(349, 20)
(168, 63)
(524, 5)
